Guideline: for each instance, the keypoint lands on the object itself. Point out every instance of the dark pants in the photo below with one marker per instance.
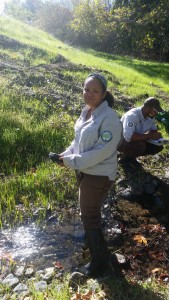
(92, 192)
(139, 148)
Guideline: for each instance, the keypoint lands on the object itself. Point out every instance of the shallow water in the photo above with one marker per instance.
(42, 247)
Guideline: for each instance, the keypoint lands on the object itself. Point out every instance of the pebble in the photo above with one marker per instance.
(120, 258)
(19, 271)
(19, 281)
(10, 280)
(29, 272)
(76, 279)
(40, 285)
(21, 287)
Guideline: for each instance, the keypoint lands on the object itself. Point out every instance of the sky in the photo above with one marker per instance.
(1, 6)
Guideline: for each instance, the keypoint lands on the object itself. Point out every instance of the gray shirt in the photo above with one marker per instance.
(134, 122)
(94, 149)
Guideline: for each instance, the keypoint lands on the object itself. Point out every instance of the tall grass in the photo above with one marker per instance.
(21, 195)
(27, 179)
(28, 133)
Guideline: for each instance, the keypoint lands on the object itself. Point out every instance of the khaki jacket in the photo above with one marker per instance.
(94, 149)
(134, 122)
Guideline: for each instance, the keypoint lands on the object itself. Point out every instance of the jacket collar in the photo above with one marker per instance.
(98, 110)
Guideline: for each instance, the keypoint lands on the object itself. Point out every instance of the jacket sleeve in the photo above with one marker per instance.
(103, 148)
(69, 150)
(129, 126)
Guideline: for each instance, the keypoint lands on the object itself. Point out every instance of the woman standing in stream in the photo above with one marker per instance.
(93, 154)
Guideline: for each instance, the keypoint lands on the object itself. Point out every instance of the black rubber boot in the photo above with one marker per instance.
(100, 255)
(125, 160)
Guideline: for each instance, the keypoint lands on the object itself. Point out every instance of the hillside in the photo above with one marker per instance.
(41, 86)
(132, 77)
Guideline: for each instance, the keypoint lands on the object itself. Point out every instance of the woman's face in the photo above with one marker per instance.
(93, 92)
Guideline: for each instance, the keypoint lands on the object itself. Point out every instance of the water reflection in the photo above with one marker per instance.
(58, 241)
(19, 242)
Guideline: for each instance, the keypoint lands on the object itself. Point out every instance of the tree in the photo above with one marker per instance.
(55, 18)
(129, 27)
(33, 5)
(17, 9)
(91, 23)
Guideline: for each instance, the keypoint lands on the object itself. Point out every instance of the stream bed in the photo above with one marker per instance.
(57, 241)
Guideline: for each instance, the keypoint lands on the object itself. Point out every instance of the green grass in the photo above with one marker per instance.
(28, 180)
(48, 184)
(135, 78)
(108, 289)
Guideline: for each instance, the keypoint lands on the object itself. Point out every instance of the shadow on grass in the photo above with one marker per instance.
(122, 289)
(152, 69)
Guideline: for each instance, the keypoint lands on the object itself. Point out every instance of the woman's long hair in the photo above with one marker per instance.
(109, 98)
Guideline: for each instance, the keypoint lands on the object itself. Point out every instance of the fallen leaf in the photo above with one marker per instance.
(157, 255)
(140, 239)
(58, 265)
(99, 296)
(156, 270)
(77, 296)
(87, 296)
(157, 228)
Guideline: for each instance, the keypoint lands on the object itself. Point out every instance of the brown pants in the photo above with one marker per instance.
(92, 192)
(139, 148)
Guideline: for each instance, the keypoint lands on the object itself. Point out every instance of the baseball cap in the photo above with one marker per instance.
(153, 103)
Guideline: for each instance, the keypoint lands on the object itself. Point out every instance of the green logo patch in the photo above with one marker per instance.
(106, 136)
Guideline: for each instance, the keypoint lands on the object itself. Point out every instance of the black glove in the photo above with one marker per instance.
(55, 157)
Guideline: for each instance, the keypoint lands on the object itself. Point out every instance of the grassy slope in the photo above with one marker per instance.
(136, 78)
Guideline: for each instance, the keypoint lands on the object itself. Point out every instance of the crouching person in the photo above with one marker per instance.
(139, 128)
